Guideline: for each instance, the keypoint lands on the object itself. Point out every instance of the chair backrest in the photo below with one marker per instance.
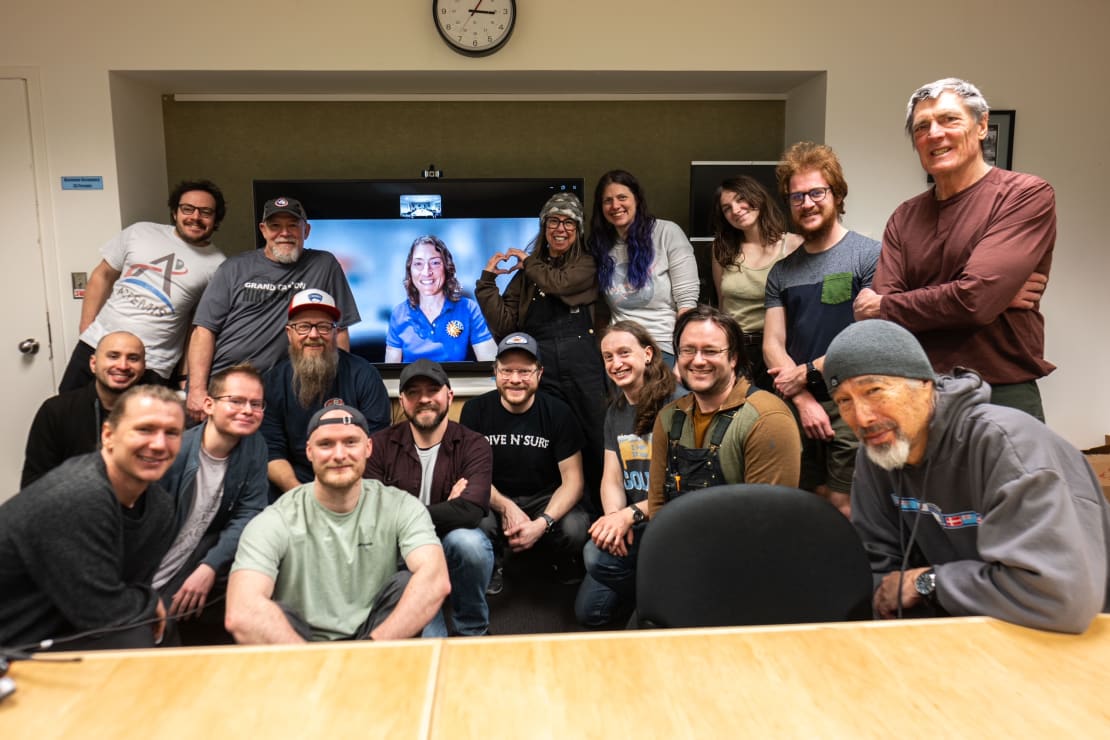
(750, 554)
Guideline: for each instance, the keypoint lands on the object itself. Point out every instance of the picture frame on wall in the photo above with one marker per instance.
(998, 147)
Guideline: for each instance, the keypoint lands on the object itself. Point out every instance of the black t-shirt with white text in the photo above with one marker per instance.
(528, 447)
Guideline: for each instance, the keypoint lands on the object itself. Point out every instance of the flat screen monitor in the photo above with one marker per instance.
(705, 177)
(369, 225)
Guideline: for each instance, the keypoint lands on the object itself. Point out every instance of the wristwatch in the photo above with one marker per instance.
(926, 585)
(638, 515)
(813, 375)
(550, 522)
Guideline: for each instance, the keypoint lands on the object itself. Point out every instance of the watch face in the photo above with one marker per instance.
(475, 27)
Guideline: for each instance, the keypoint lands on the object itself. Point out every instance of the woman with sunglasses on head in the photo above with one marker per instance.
(552, 296)
(749, 236)
(644, 385)
(646, 265)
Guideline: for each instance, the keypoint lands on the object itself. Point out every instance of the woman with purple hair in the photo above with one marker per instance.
(646, 266)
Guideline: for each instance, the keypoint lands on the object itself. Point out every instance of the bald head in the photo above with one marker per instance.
(118, 363)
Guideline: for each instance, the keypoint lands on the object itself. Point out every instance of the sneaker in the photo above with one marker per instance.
(496, 582)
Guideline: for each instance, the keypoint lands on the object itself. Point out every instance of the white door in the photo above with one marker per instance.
(26, 373)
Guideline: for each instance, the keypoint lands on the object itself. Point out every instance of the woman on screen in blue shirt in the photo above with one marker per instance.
(437, 322)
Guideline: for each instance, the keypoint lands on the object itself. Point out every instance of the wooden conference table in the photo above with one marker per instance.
(951, 678)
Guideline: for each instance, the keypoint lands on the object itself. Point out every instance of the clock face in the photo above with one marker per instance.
(475, 27)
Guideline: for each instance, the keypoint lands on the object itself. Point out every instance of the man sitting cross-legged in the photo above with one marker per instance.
(322, 562)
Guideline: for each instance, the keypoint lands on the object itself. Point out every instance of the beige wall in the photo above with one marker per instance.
(1048, 62)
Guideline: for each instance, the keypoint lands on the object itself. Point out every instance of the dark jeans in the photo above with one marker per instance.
(1021, 396)
(610, 581)
(561, 546)
(213, 612)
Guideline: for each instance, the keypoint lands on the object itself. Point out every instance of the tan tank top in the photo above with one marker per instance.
(744, 289)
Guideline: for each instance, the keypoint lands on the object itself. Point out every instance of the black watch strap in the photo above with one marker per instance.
(550, 522)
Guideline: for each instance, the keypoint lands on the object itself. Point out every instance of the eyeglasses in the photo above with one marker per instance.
(506, 373)
(238, 402)
(709, 353)
(303, 328)
(816, 195)
(188, 209)
(554, 222)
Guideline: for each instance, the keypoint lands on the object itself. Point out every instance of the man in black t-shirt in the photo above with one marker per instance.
(537, 462)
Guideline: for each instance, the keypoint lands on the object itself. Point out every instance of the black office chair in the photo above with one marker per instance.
(750, 554)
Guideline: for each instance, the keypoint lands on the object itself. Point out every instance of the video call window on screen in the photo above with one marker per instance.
(421, 206)
(370, 225)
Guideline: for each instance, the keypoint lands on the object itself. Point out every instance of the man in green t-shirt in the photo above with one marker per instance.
(321, 563)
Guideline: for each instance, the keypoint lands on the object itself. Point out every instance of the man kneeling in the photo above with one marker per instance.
(322, 562)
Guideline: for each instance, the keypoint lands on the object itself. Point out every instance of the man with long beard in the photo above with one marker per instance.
(316, 374)
(449, 468)
(809, 301)
(239, 317)
(964, 507)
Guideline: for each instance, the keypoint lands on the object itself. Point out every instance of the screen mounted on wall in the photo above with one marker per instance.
(370, 227)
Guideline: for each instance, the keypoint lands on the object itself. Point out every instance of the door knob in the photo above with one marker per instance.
(29, 346)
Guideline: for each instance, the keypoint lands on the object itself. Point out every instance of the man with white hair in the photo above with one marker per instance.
(963, 265)
(242, 313)
(964, 507)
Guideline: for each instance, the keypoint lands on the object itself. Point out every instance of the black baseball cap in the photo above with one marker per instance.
(351, 415)
(284, 205)
(423, 368)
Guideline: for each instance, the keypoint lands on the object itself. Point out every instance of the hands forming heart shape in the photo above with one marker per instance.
(494, 265)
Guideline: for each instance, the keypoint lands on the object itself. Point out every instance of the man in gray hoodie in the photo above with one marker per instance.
(965, 508)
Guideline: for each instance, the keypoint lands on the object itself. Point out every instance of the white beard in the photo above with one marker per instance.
(890, 456)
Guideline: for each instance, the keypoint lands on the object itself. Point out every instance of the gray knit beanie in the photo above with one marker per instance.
(566, 205)
(875, 347)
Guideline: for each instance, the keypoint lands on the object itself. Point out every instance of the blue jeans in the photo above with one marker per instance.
(609, 581)
(469, 557)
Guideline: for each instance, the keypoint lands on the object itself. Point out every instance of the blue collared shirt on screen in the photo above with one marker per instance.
(459, 325)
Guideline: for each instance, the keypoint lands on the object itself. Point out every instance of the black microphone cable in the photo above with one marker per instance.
(100, 631)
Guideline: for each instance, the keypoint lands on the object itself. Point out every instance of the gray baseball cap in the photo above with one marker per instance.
(519, 340)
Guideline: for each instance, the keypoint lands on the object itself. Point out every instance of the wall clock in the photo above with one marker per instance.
(475, 27)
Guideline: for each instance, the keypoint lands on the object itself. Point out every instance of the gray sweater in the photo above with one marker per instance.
(72, 559)
(1012, 516)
